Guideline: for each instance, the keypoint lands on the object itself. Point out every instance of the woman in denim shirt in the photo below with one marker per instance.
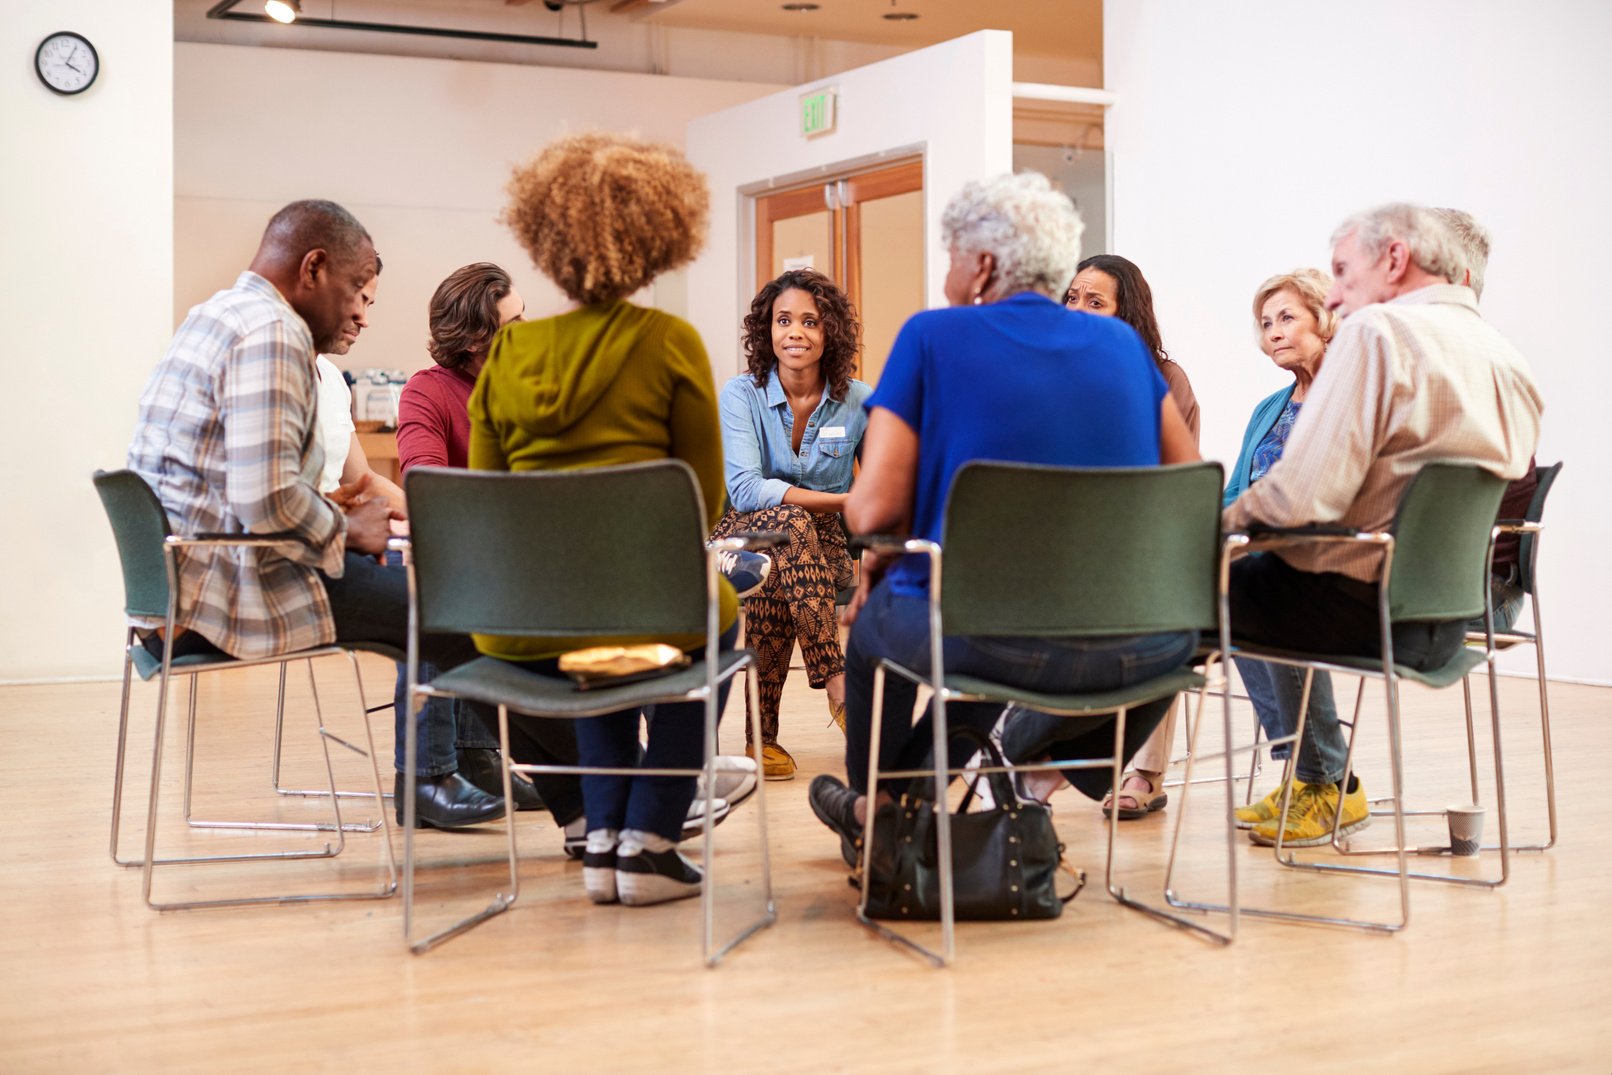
(791, 428)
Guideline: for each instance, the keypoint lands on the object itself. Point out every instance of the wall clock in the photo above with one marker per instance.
(67, 63)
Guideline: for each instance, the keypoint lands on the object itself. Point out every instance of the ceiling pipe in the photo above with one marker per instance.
(225, 10)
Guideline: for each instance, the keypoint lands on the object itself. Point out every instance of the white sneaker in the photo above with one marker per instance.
(735, 779)
(694, 824)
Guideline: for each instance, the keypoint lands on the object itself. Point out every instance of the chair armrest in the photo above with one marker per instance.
(220, 540)
(749, 541)
(1257, 538)
(888, 543)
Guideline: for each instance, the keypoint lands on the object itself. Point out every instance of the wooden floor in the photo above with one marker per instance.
(1518, 979)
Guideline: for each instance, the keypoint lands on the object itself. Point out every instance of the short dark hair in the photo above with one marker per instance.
(464, 313)
(842, 332)
(313, 224)
(1133, 299)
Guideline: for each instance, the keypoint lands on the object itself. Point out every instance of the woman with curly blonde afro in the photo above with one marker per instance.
(791, 428)
(605, 383)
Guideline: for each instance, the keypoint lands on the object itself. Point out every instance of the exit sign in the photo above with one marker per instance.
(817, 113)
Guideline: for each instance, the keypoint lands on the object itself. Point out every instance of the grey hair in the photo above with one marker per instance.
(1432, 248)
(1474, 239)
(314, 224)
(1032, 230)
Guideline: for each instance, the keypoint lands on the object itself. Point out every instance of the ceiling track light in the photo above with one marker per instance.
(225, 9)
(283, 11)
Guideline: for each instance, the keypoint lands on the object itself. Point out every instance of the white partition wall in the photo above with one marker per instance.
(86, 222)
(419, 149)
(1244, 135)
(952, 102)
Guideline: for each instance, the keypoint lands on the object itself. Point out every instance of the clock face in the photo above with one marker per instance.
(66, 62)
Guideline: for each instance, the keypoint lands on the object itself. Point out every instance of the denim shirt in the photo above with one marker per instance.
(757, 437)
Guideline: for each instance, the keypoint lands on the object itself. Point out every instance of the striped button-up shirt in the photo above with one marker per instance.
(225, 437)
(1419, 379)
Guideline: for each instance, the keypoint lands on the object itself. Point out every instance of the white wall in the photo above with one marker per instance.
(418, 149)
(953, 100)
(86, 213)
(1240, 142)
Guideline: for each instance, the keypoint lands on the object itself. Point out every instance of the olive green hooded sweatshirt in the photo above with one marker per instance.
(606, 384)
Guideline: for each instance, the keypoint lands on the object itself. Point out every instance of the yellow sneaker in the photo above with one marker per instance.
(1267, 809)
(1309, 820)
(776, 762)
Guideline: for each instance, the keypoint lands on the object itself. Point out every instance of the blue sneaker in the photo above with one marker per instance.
(746, 570)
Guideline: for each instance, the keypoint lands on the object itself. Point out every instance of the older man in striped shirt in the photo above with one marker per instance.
(1414, 375)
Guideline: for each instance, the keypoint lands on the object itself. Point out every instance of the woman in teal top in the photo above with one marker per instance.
(791, 428)
(1293, 326)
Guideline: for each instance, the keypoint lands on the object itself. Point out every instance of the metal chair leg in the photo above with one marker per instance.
(769, 915)
(336, 825)
(150, 861)
(317, 793)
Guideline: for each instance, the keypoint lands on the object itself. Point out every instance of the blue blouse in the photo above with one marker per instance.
(758, 429)
(1269, 449)
(1022, 380)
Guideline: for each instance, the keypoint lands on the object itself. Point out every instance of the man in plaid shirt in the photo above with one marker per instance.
(226, 439)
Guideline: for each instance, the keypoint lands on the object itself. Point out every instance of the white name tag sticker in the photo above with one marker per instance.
(833, 433)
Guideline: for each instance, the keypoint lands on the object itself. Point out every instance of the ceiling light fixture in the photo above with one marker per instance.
(285, 11)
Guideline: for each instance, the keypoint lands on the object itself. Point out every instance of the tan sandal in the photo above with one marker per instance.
(1146, 803)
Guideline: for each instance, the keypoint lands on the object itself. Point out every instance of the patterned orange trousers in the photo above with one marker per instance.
(796, 603)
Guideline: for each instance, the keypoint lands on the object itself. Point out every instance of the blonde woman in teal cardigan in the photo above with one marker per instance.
(1293, 326)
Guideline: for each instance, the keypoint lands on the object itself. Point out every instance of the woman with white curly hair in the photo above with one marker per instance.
(1006, 374)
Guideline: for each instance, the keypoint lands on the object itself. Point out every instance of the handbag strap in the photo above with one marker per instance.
(1001, 786)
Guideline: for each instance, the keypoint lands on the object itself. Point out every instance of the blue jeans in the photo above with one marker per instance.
(657, 804)
(439, 715)
(1277, 688)
(897, 626)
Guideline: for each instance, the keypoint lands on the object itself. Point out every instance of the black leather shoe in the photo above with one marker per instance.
(835, 806)
(449, 802)
(484, 768)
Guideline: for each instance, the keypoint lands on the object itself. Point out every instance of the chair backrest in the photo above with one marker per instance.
(139, 525)
(606, 551)
(1441, 540)
(1061, 551)
(1545, 477)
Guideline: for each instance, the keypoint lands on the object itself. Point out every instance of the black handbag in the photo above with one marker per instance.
(1004, 860)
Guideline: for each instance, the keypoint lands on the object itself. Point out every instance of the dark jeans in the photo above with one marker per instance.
(1274, 604)
(439, 715)
(657, 804)
(896, 626)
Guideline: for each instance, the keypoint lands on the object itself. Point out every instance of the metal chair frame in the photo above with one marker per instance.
(167, 669)
(1390, 674)
(608, 701)
(942, 694)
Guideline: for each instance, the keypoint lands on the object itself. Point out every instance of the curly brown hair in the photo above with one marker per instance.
(464, 313)
(842, 332)
(604, 214)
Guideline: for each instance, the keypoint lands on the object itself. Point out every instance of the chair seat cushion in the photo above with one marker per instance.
(1452, 671)
(148, 666)
(498, 682)
(1082, 703)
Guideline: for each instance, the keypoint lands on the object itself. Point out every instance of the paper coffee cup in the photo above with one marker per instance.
(1466, 828)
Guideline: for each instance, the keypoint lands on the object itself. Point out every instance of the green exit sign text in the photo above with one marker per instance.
(817, 113)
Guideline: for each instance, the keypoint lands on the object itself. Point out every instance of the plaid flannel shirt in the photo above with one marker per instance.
(225, 438)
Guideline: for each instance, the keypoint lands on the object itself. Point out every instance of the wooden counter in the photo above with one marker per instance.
(381, 450)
